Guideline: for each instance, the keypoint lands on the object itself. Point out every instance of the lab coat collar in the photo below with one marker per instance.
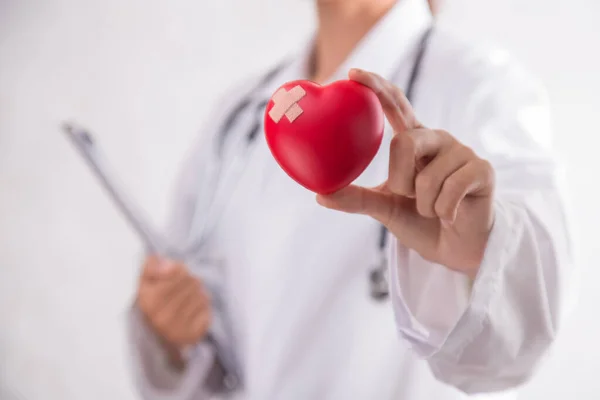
(383, 50)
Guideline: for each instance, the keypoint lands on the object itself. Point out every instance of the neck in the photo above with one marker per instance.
(342, 25)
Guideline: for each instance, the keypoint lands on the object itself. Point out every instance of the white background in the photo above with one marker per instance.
(141, 74)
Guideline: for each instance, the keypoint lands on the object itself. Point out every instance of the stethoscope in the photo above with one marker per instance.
(378, 279)
(205, 222)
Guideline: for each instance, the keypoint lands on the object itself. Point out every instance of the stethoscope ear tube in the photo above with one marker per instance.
(378, 279)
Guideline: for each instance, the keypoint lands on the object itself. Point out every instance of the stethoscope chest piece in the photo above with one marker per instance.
(378, 281)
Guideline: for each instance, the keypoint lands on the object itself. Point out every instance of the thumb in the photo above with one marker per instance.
(354, 199)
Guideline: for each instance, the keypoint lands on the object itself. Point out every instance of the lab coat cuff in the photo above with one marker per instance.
(449, 337)
(484, 289)
(157, 379)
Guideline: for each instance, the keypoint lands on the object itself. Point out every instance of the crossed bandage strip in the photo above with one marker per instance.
(286, 103)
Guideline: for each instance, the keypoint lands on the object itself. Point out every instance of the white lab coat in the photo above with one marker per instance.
(293, 275)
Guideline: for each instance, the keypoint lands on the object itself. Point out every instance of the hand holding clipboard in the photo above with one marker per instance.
(152, 240)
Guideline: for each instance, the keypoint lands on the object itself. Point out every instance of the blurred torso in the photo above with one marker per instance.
(295, 275)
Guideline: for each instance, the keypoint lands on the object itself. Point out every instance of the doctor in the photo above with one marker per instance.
(465, 183)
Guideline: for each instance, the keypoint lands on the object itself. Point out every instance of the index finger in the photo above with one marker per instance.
(396, 106)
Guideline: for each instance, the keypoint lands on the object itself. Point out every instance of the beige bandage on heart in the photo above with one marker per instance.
(286, 103)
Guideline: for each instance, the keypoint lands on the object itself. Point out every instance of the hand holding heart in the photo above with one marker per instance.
(438, 197)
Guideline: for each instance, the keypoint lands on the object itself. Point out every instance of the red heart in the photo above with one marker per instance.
(333, 140)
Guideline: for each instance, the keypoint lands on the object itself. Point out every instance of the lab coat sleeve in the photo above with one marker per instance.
(491, 334)
(154, 376)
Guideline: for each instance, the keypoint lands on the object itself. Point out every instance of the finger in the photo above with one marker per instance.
(377, 84)
(406, 108)
(187, 292)
(468, 179)
(161, 292)
(405, 151)
(428, 183)
(185, 323)
(396, 107)
(201, 304)
(188, 313)
(167, 317)
(396, 213)
(154, 292)
(360, 200)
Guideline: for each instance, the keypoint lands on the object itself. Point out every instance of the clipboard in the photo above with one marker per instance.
(84, 142)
